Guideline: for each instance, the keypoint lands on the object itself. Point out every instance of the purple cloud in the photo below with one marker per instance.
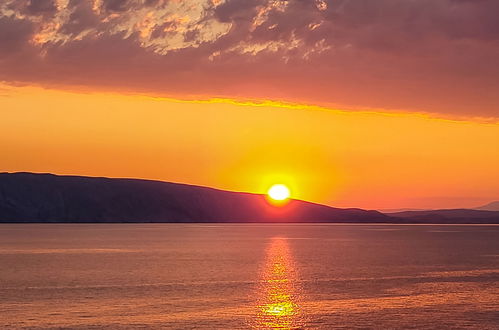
(435, 56)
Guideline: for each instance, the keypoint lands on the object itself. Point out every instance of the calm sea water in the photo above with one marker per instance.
(233, 276)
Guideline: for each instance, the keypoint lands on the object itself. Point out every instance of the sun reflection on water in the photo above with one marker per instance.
(278, 303)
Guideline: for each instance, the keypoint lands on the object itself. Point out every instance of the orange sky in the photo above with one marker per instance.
(344, 159)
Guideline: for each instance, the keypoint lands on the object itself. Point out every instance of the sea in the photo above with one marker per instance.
(249, 276)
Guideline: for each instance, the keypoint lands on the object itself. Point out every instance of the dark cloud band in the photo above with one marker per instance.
(437, 56)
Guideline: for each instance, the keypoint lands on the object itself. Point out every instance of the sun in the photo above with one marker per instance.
(278, 192)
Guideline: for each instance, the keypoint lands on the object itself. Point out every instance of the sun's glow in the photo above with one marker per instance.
(279, 192)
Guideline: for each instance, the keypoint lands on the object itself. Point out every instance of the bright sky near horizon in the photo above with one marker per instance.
(347, 159)
(374, 104)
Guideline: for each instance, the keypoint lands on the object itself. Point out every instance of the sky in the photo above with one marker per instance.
(374, 104)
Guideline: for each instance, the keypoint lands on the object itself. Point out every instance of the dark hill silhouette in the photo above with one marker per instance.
(29, 197)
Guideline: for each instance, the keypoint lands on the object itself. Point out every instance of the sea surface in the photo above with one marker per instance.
(240, 276)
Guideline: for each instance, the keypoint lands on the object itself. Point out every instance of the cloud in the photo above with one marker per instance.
(14, 36)
(435, 56)
(33, 7)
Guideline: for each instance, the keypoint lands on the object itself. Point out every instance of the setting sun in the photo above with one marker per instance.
(278, 192)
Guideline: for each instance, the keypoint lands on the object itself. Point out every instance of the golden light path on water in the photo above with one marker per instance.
(279, 296)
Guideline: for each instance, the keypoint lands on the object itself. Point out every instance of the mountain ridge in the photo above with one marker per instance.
(30, 197)
(45, 197)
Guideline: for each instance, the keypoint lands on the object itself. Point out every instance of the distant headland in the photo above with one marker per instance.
(49, 198)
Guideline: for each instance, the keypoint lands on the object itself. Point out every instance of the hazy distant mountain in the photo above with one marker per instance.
(28, 197)
(399, 210)
(449, 215)
(492, 206)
